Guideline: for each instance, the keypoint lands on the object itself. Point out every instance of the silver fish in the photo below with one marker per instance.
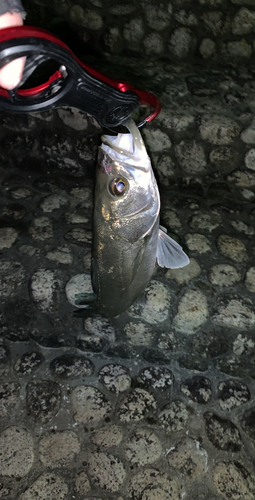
(127, 238)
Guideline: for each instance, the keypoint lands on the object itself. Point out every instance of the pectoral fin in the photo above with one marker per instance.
(169, 253)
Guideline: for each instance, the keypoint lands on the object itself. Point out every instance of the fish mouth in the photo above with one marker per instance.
(138, 144)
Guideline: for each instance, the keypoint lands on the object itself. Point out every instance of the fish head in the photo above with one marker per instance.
(123, 186)
(126, 188)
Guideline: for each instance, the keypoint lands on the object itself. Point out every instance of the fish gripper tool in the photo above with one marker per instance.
(74, 84)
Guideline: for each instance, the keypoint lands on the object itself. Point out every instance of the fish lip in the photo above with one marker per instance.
(138, 145)
(123, 152)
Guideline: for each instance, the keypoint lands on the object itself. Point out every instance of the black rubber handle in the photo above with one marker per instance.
(76, 87)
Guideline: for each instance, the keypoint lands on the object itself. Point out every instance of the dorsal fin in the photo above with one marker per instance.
(169, 253)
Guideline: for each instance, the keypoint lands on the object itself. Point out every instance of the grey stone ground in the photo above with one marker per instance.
(157, 404)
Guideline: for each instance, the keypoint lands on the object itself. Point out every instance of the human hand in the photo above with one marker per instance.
(11, 74)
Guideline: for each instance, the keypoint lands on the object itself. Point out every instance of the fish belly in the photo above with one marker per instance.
(121, 270)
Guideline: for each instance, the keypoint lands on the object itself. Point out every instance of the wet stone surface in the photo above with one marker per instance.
(89, 405)
(184, 275)
(82, 485)
(143, 447)
(198, 389)
(48, 485)
(71, 366)
(12, 275)
(58, 449)
(174, 416)
(192, 312)
(157, 403)
(4, 355)
(248, 423)
(115, 378)
(189, 458)
(17, 454)
(151, 483)
(156, 378)
(9, 392)
(154, 309)
(222, 433)
(223, 275)
(90, 343)
(110, 435)
(235, 313)
(43, 286)
(232, 248)
(106, 471)
(232, 479)
(43, 399)
(192, 362)
(232, 393)
(137, 405)
(139, 333)
(28, 363)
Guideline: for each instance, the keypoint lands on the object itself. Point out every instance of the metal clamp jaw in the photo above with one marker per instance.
(75, 84)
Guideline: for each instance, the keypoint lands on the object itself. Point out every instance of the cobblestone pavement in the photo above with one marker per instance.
(218, 31)
(157, 404)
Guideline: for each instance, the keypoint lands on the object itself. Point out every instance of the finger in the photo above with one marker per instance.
(11, 74)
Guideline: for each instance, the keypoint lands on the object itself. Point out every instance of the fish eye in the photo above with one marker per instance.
(117, 187)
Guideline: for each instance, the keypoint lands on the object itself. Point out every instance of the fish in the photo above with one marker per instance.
(127, 237)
